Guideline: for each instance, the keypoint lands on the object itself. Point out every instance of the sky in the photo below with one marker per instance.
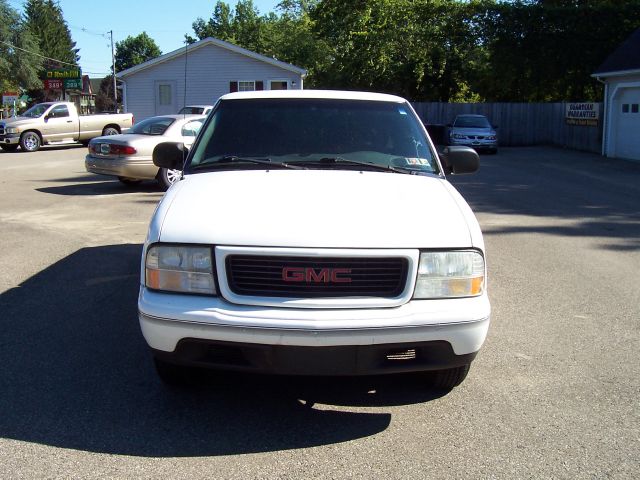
(166, 21)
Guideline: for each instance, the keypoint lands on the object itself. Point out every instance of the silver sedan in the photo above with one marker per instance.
(128, 156)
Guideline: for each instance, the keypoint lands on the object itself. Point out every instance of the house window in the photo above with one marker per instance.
(246, 86)
(164, 94)
(634, 108)
(625, 108)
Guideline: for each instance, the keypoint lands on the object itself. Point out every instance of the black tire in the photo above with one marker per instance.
(30, 142)
(9, 148)
(129, 181)
(449, 378)
(110, 131)
(172, 374)
(167, 177)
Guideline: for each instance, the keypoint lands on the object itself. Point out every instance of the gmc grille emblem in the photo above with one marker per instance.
(316, 275)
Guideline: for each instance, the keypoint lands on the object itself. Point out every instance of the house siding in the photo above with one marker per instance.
(210, 69)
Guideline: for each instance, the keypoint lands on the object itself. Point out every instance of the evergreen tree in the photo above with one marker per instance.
(45, 18)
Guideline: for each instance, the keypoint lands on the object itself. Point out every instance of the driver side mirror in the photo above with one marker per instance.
(458, 160)
(170, 155)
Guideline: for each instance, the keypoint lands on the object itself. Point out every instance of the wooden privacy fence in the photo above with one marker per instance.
(520, 124)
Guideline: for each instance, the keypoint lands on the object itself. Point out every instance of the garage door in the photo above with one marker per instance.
(627, 127)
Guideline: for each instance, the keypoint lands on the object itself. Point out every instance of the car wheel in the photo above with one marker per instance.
(167, 177)
(449, 378)
(110, 131)
(9, 148)
(30, 142)
(172, 374)
(129, 181)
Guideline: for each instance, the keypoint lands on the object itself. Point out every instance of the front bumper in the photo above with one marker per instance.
(138, 167)
(476, 144)
(10, 139)
(171, 321)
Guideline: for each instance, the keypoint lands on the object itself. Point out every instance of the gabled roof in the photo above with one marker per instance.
(624, 59)
(215, 42)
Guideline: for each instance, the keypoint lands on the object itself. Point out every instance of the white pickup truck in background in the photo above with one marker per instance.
(58, 123)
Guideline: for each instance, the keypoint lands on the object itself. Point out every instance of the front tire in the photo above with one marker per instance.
(30, 142)
(9, 148)
(167, 177)
(171, 374)
(449, 378)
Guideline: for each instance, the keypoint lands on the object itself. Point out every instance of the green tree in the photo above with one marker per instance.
(133, 51)
(19, 60)
(45, 19)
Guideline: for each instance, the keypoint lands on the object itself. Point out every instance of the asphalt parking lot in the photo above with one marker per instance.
(553, 394)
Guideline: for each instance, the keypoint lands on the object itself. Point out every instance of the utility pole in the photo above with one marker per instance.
(113, 71)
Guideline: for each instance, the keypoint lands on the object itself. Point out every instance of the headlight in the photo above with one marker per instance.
(12, 130)
(491, 137)
(458, 136)
(450, 275)
(180, 269)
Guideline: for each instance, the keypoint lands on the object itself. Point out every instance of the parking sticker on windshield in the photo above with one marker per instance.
(418, 161)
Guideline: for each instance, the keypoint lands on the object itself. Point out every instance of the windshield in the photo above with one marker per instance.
(152, 126)
(37, 110)
(472, 122)
(311, 131)
(191, 110)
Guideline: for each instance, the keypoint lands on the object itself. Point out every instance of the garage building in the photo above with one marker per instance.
(620, 73)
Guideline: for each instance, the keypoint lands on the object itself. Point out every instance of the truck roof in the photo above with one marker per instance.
(314, 94)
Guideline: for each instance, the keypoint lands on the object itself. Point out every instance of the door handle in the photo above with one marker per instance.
(69, 121)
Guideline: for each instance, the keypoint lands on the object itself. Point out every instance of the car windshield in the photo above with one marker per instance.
(152, 126)
(316, 133)
(472, 122)
(191, 111)
(37, 110)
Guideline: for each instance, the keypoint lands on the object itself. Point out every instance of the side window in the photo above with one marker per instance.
(191, 129)
(60, 111)
(625, 108)
(164, 94)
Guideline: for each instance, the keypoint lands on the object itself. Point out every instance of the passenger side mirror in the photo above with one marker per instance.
(458, 160)
(170, 155)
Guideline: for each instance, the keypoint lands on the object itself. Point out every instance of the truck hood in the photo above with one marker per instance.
(17, 121)
(314, 208)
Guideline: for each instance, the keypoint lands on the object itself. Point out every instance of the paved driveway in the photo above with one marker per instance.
(553, 394)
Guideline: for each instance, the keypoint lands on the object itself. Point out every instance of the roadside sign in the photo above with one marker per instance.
(584, 114)
(61, 73)
(8, 98)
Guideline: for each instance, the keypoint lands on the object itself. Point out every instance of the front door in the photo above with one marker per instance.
(166, 97)
(59, 125)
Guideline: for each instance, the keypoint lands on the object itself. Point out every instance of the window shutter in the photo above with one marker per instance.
(259, 85)
(233, 86)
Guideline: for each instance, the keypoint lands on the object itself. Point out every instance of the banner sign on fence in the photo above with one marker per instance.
(584, 114)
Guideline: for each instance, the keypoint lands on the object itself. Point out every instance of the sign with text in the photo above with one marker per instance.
(72, 84)
(8, 98)
(583, 114)
(62, 73)
(53, 84)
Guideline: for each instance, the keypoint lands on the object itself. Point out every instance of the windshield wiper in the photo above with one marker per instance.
(346, 161)
(226, 159)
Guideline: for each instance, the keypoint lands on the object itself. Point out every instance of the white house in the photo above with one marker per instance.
(620, 74)
(210, 68)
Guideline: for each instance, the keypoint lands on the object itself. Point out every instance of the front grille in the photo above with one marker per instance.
(312, 277)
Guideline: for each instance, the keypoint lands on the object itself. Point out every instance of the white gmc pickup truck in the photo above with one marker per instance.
(58, 123)
(314, 233)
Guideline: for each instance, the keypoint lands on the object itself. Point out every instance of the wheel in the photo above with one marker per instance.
(30, 142)
(110, 131)
(167, 177)
(172, 374)
(9, 148)
(129, 181)
(449, 378)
